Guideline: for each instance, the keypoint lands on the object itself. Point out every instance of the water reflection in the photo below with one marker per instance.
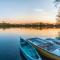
(29, 32)
(58, 37)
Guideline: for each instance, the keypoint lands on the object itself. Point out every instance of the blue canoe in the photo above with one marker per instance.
(48, 49)
(28, 51)
(56, 41)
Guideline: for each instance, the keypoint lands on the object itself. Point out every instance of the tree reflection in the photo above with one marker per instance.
(58, 37)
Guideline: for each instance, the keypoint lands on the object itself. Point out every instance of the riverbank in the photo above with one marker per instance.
(33, 25)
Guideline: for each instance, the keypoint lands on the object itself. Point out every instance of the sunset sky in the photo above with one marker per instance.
(29, 10)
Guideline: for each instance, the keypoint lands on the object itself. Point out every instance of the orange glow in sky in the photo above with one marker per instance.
(26, 21)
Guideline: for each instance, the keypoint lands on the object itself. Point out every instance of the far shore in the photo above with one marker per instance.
(31, 25)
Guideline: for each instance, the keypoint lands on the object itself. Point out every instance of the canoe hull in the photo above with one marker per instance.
(22, 57)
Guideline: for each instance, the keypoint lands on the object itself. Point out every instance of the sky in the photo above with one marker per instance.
(39, 10)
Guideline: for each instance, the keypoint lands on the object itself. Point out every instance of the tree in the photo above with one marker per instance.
(56, 2)
(58, 15)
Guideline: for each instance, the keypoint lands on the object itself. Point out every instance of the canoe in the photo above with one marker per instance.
(28, 51)
(47, 49)
(54, 40)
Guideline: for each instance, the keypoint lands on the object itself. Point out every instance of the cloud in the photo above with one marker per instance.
(40, 13)
(43, 14)
(38, 10)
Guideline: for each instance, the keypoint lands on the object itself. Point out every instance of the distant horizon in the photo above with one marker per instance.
(17, 21)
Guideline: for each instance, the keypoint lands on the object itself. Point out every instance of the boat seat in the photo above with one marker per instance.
(57, 42)
(52, 48)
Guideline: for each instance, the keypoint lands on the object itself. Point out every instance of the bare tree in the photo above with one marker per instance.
(57, 2)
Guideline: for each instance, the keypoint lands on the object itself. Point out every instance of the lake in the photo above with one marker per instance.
(10, 40)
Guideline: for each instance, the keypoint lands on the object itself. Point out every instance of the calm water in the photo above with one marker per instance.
(10, 40)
